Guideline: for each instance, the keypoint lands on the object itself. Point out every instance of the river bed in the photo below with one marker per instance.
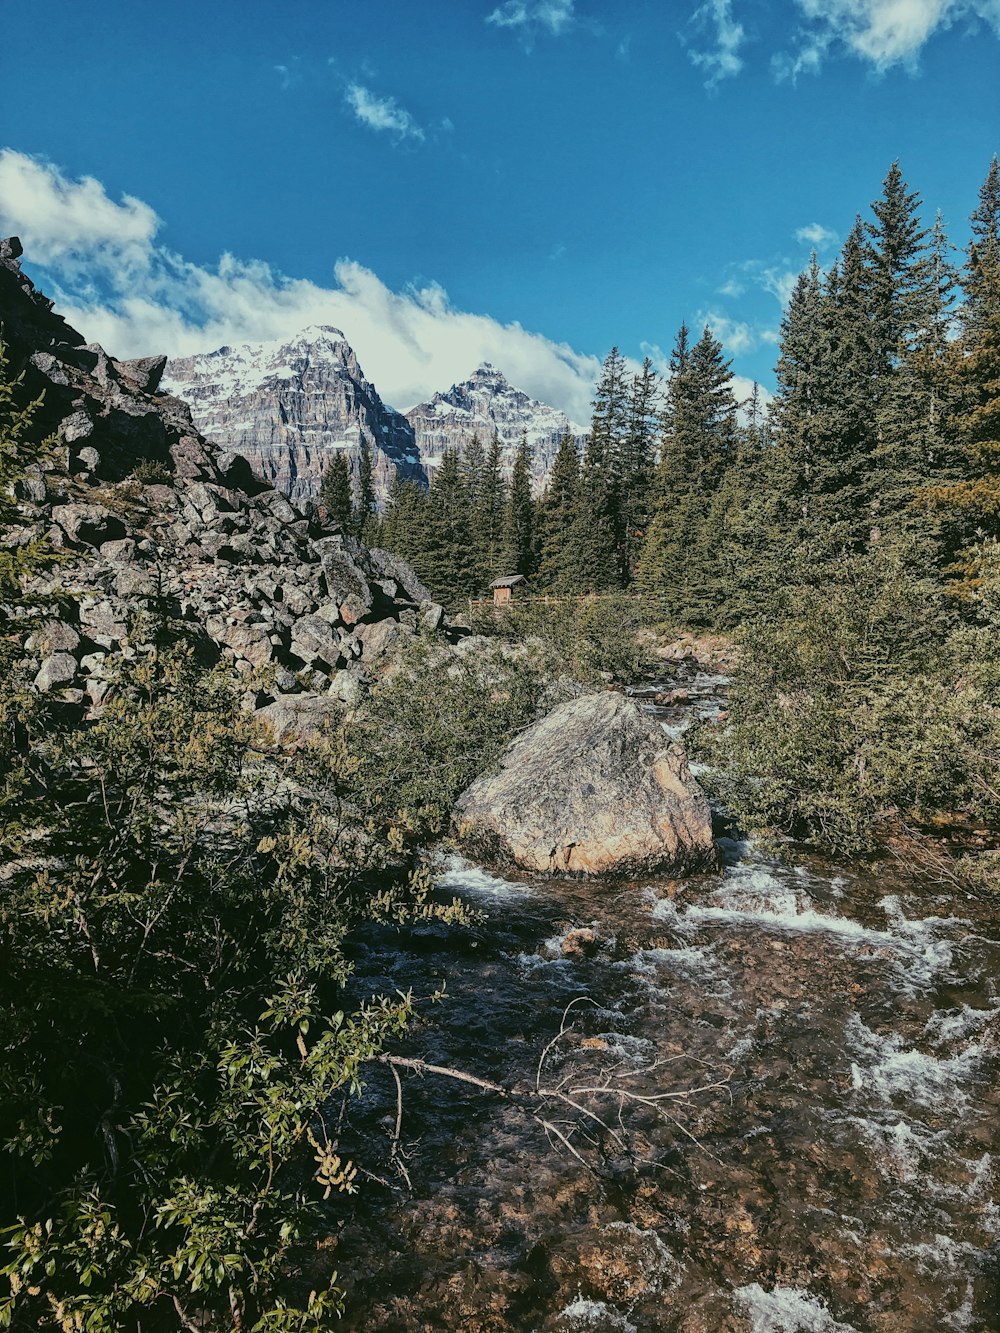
(817, 1149)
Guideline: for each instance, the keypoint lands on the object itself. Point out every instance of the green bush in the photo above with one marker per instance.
(437, 723)
(860, 708)
(593, 640)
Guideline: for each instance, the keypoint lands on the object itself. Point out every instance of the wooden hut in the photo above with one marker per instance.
(503, 589)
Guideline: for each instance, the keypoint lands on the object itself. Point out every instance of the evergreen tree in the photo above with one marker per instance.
(974, 498)
(447, 562)
(556, 514)
(335, 491)
(679, 558)
(488, 515)
(638, 450)
(364, 511)
(597, 539)
(518, 535)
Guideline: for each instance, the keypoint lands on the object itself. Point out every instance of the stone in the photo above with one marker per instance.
(350, 686)
(11, 248)
(312, 637)
(145, 372)
(431, 616)
(76, 427)
(382, 638)
(298, 716)
(57, 670)
(88, 524)
(103, 623)
(55, 636)
(394, 567)
(120, 552)
(89, 459)
(594, 788)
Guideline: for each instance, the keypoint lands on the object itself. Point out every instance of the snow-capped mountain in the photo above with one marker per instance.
(483, 403)
(287, 406)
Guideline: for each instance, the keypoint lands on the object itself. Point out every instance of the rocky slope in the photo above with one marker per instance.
(155, 524)
(485, 403)
(287, 406)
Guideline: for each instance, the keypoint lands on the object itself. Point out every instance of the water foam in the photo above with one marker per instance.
(787, 1310)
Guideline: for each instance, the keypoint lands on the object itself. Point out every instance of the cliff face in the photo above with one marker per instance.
(156, 525)
(288, 406)
(485, 403)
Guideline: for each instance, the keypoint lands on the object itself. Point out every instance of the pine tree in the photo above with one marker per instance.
(638, 451)
(597, 540)
(974, 498)
(447, 563)
(518, 533)
(488, 515)
(556, 514)
(679, 558)
(364, 510)
(910, 285)
(335, 491)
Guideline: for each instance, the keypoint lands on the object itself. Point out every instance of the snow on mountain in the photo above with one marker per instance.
(287, 406)
(485, 403)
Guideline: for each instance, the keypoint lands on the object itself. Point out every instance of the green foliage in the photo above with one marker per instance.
(172, 952)
(335, 491)
(435, 724)
(856, 711)
(592, 640)
(149, 472)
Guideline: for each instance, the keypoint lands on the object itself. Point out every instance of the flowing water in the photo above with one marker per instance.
(817, 1148)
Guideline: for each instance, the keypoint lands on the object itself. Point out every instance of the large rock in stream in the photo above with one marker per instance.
(594, 788)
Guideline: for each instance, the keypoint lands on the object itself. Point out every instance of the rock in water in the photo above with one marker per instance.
(594, 788)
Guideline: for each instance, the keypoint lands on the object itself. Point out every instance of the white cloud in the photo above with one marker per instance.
(721, 60)
(780, 282)
(120, 288)
(884, 33)
(529, 17)
(381, 113)
(816, 235)
(66, 220)
(736, 336)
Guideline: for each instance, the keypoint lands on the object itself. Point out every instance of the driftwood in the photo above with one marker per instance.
(580, 1109)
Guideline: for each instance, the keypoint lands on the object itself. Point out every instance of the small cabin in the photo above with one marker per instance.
(503, 589)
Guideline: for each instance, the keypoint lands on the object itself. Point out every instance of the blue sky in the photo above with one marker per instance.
(526, 182)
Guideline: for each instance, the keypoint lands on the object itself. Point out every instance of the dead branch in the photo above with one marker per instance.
(581, 1104)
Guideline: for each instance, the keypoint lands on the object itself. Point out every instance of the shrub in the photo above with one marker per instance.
(860, 707)
(593, 640)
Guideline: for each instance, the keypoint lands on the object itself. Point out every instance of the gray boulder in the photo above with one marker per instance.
(57, 670)
(594, 788)
(298, 716)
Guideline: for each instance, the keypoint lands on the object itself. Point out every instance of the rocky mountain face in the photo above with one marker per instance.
(287, 406)
(157, 525)
(485, 403)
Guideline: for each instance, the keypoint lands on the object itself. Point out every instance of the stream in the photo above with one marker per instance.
(812, 1144)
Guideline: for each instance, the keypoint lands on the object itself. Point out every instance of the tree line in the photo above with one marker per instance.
(884, 423)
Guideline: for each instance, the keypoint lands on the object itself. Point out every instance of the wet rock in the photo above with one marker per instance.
(594, 788)
(580, 943)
